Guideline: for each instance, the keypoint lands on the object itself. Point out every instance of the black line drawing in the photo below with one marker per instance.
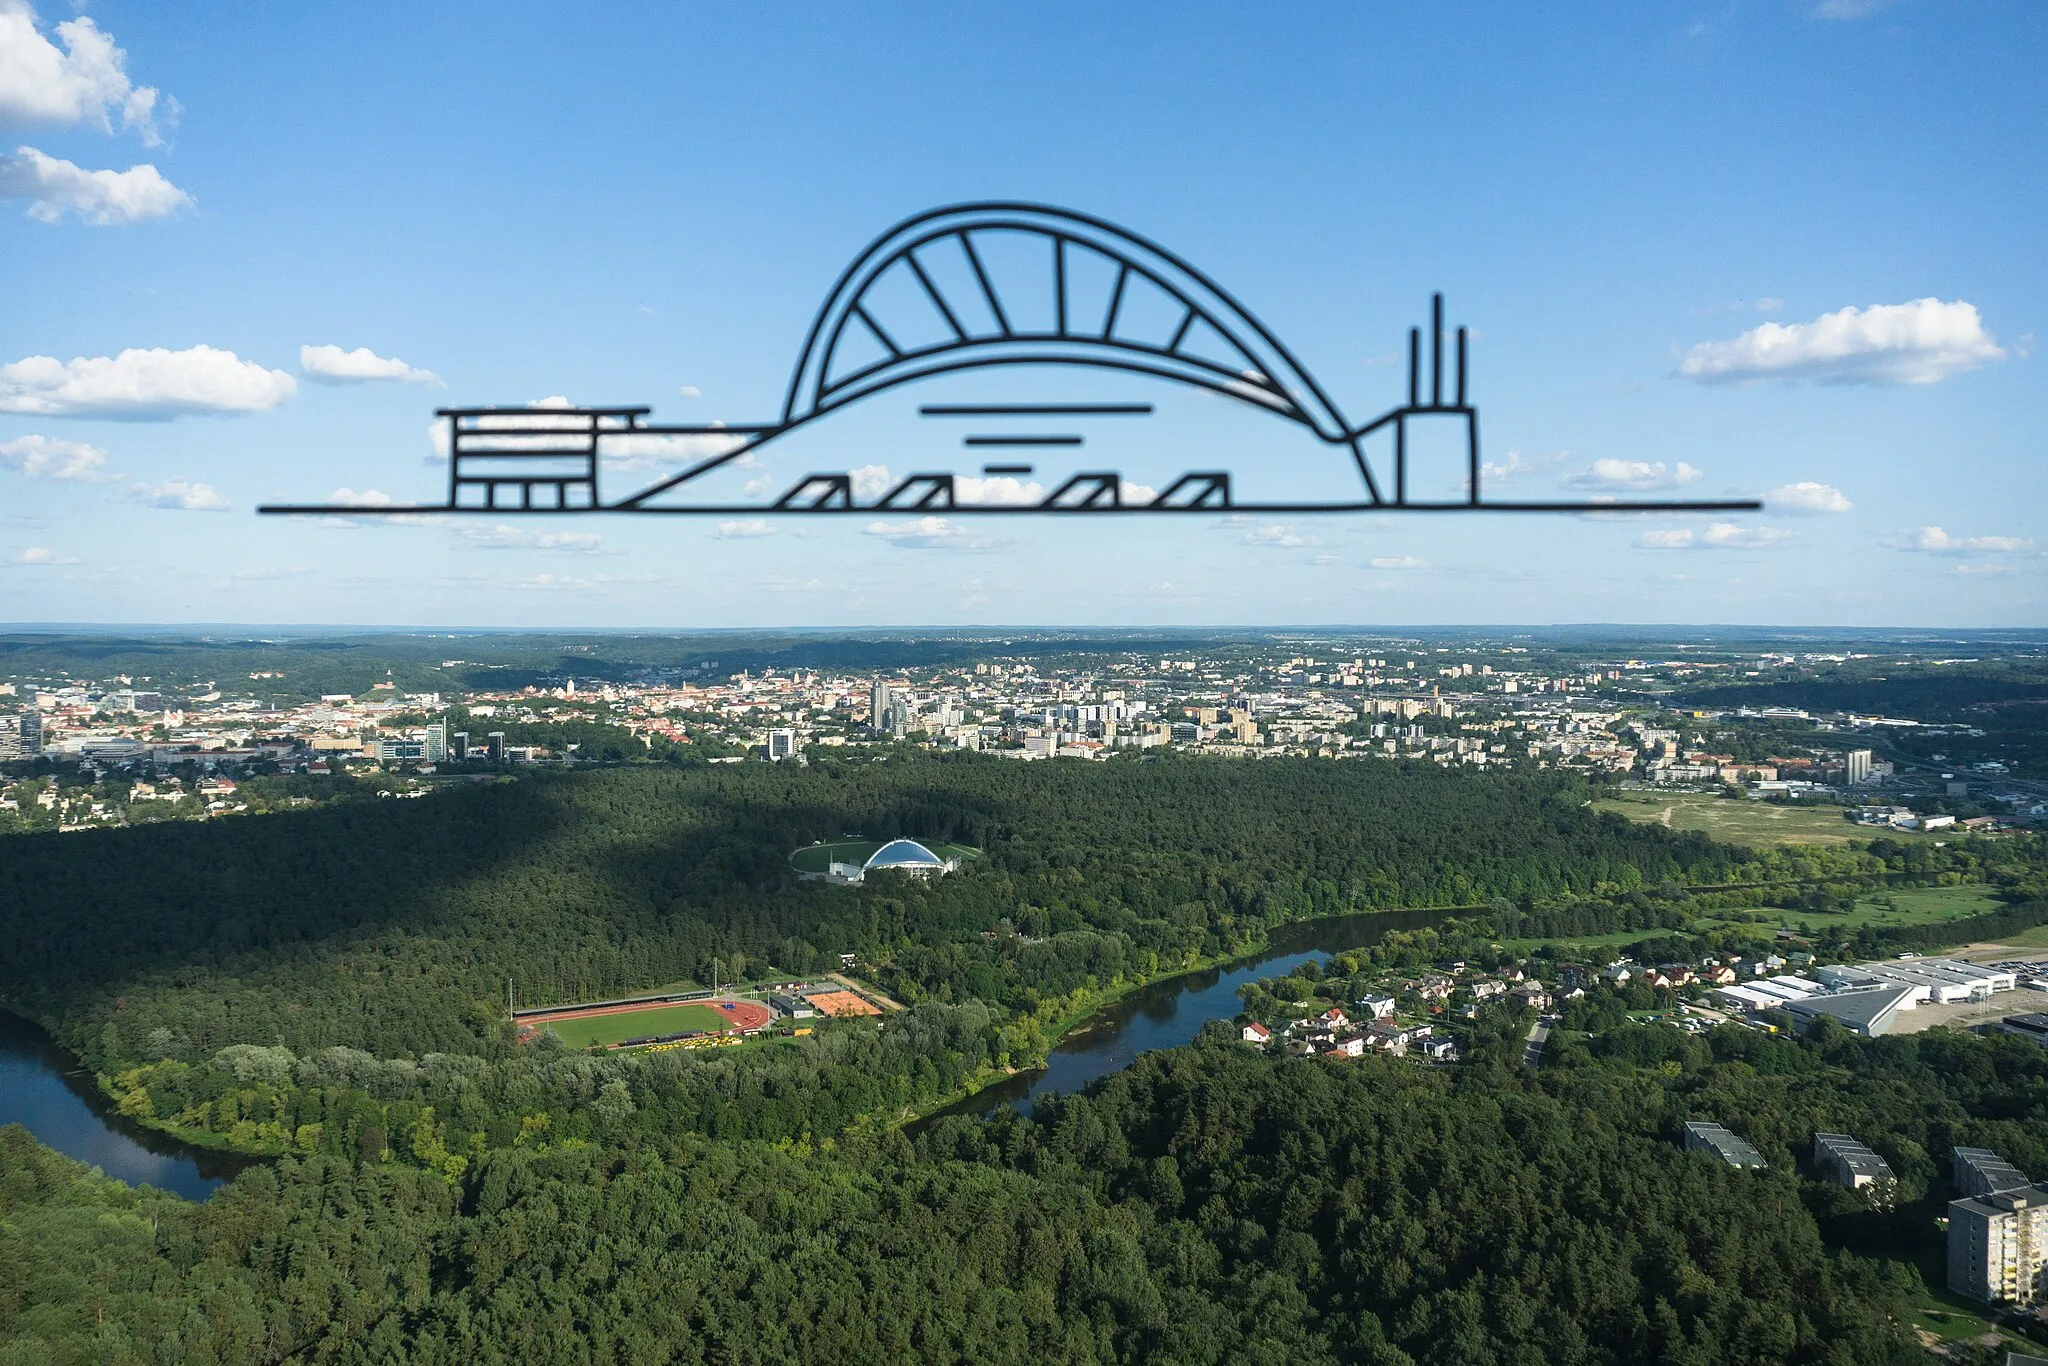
(508, 460)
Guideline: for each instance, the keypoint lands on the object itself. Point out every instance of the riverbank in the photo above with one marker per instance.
(49, 1093)
(1168, 1009)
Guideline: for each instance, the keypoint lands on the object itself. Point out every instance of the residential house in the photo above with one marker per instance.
(1257, 1033)
(1392, 1037)
(1376, 1007)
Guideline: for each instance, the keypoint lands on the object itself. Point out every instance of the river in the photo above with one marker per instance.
(43, 1090)
(1170, 1012)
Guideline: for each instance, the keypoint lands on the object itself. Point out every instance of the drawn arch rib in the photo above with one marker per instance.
(1010, 284)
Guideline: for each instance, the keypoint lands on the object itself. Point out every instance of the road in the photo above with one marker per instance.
(1532, 1053)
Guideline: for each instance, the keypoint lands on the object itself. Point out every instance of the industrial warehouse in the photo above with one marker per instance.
(1867, 998)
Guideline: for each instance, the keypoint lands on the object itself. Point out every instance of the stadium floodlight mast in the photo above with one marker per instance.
(515, 460)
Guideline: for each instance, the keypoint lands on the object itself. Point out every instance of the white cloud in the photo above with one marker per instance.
(506, 537)
(741, 531)
(1935, 541)
(1849, 9)
(368, 498)
(1994, 570)
(559, 583)
(181, 495)
(1634, 475)
(37, 554)
(332, 365)
(998, 489)
(691, 391)
(871, 481)
(1914, 343)
(1807, 497)
(1716, 536)
(1134, 494)
(377, 498)
(928, 533)
(143, 385)
(83, 81)
(1519, 463)
(1397, 562)
(1282, 535)
(638, 452)
(55, 187)
(43, 457)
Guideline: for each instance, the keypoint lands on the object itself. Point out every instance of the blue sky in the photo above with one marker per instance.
(1786, 249)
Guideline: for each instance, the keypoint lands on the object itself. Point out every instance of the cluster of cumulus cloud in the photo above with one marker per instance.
(74, 75)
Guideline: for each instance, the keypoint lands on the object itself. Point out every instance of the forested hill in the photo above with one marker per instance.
(1208, 1205)
(394, 926)
(1929, 693)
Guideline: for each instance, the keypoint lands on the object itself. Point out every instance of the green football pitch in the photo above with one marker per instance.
(656, 1021)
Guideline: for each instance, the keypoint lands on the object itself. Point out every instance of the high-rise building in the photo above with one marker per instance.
(31, 733)
(458, 746)
(494, 746)
(437, 743)
(878, 706)
(1856, 767)
(1998, 1246)
(782, 744)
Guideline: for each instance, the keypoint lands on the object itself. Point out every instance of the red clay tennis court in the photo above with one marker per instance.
(841, 1003)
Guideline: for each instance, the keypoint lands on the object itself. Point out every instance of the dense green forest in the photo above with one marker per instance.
(324, 984)
(1207, 1204)
(394, 927)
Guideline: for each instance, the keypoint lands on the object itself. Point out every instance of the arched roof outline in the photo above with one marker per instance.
(1275, 381)
(903, 853)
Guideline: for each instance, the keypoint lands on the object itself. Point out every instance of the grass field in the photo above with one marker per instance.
(1913, 906)
(586, 1030)
(1738, 820)
(2036, 938)
(818, 858)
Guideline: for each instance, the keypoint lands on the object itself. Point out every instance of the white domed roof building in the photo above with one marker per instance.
(896, 856)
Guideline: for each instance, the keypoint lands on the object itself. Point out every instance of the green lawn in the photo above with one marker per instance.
(1738, 820)
(636, 1024)
(1951, 1317)
(2036, 938)
(1914, 906)
(818, 858)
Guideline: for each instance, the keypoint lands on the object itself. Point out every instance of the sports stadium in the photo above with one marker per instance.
(625, 1024)
(849, 862)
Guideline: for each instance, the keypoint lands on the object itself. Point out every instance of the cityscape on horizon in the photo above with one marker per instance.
(1654, 315)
